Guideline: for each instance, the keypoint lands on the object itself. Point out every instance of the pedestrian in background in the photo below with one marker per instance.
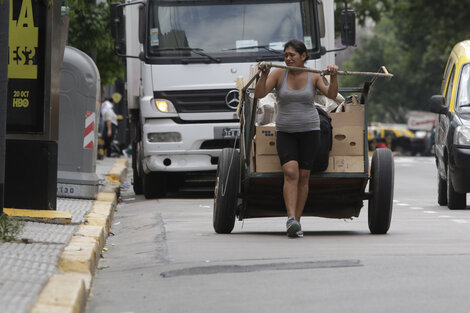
(110, 125)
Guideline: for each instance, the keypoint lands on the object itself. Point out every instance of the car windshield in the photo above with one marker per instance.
(463, 95)
(228, 28)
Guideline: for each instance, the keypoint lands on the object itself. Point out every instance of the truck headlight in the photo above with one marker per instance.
(164, 106)
(462, 136)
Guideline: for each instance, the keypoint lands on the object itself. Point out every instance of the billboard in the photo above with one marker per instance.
(26, 58)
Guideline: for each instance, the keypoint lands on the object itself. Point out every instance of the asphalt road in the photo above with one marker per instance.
(165, 257)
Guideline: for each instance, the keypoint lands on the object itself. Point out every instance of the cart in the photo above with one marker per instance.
(242, 192)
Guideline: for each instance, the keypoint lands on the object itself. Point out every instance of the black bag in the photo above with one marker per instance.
(326, 141)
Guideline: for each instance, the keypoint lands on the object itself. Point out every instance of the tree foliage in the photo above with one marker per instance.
(412, 39)
(90, 32)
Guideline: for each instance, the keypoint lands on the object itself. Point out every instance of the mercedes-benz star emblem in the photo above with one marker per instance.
(232, 99)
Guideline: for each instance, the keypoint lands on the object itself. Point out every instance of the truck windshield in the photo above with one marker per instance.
(246, 29)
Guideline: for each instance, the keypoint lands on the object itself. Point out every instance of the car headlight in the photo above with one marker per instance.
(462, 136)
(164, 106)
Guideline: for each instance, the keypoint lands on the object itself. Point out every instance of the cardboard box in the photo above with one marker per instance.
(265, 140)
(345, 164)
(268, 163)
(348, 141)
(342, 119)
(350, 107)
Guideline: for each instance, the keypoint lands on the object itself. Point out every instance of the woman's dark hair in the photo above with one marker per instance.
(297, 45)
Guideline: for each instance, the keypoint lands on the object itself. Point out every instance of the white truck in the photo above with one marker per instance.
(183, 59)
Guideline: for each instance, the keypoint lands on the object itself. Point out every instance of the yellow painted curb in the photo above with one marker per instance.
(52, 216)
(118, 171)
(81, 255)
(63, 291)
(92, 231)
(106, 196)
(68, 292)
(101, 214)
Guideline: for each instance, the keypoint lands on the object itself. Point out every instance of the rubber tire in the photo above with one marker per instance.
(137, 182)
(455, 200)
(154, 185)
(381, 187)
(227, 179)
(441, 191)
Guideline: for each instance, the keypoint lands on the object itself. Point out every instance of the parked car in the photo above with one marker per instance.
(398, 139)
(452, 134)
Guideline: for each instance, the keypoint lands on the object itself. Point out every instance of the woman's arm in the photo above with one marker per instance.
(330, 91)
(266, 83)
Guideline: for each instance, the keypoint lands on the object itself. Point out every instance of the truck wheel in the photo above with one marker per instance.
(136, 169)
(154, 185)
(381, 188)
(137, 182)
(441, 191)
(226, 191)
(455, 200)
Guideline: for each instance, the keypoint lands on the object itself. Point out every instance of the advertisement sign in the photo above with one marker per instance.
(26, 56)
(421, 120)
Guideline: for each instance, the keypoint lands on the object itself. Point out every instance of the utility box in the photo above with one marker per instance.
(78, 131)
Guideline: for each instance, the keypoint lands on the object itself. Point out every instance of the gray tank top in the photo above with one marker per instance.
(295, 109)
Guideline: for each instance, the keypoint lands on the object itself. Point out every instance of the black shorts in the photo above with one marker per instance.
(301, 147)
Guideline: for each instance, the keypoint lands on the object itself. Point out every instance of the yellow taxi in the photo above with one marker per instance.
(452, 134)
(398, 139)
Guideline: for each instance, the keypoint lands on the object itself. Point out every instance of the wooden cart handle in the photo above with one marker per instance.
(265, 65)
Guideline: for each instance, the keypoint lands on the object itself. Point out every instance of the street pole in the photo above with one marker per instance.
(4, 27)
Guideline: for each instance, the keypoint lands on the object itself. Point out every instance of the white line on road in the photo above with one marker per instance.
(460, 221)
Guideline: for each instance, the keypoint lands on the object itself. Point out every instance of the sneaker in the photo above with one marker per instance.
(300, 233)
(293, 227)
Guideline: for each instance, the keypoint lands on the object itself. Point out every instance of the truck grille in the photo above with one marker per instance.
(193, 101)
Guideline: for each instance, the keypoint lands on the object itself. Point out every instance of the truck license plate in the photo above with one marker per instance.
(226, 132)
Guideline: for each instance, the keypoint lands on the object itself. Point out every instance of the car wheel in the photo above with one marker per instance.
(226, 191)
(441, 191)
(455, 200)
(381, 188)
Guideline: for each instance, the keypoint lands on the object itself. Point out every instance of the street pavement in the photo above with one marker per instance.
(51, 266)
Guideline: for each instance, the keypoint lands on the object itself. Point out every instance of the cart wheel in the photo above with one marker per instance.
(455, 200)
(154, 185)
(441, 191)
(226, 190)
(381, 188)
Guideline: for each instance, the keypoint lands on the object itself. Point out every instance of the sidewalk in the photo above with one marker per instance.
(51, 270)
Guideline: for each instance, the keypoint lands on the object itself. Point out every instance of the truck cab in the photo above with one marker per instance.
(183, 59)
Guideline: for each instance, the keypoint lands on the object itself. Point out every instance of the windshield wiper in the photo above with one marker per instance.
(464, 105)
(266, 47)
(195, 50)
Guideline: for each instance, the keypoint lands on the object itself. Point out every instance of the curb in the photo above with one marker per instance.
(68, 291)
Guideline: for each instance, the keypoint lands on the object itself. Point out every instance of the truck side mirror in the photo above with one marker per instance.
(348, 28)
(321, 19)
(141, 24)
(117, 30)
(437, 104)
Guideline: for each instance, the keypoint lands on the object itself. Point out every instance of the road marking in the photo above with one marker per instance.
(430, 212)
(445, 216)
(416, 208)
(461, 221)
(403, 204)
